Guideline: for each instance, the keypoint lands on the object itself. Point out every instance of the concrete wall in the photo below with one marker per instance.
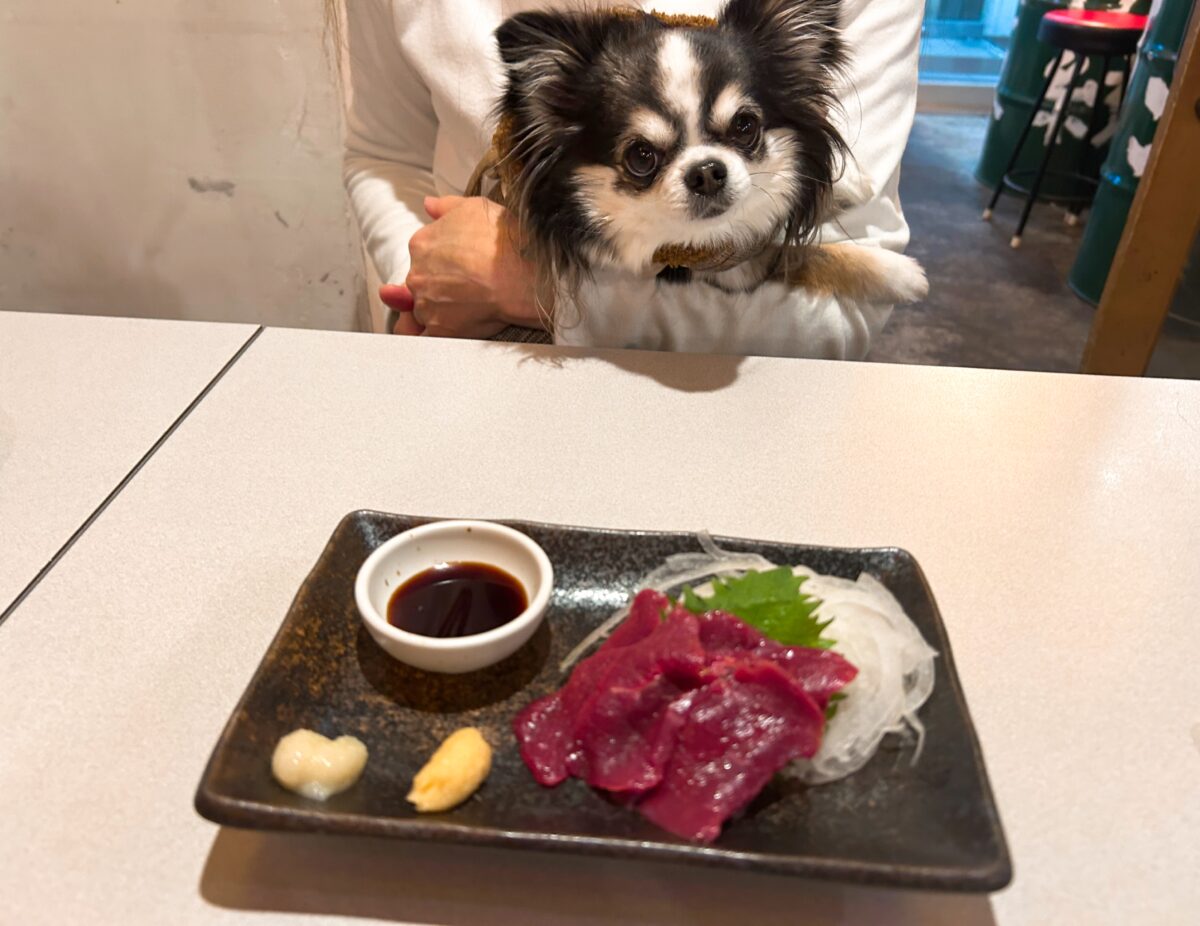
(173, 158)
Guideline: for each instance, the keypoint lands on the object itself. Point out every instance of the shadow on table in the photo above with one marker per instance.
(456, 885)
(681, 372)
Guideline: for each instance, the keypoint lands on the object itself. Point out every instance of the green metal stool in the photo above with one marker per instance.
(1083, 32)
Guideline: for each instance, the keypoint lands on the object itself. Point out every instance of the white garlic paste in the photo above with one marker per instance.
(315, 766)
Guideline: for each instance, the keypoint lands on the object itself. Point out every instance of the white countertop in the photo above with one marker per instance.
(1056, 518)
(81, 400)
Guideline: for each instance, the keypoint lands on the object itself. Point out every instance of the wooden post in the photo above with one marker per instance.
(1162, 225)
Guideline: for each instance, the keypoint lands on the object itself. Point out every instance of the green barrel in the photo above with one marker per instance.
(1025, 69)
(1130, 149)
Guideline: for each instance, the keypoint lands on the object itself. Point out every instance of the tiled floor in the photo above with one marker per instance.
(990, 306)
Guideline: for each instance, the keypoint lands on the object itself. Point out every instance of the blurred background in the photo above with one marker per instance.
(965, 40)
(174, 159)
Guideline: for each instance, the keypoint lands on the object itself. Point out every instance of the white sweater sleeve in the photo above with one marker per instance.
(390, 135)
(883, 37)
(878, 103)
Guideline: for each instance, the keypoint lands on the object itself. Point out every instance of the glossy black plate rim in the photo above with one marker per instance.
(228, 811)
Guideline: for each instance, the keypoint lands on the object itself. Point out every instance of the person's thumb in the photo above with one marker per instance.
(438, 206)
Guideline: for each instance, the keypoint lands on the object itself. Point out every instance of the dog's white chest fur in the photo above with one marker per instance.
(618, 309)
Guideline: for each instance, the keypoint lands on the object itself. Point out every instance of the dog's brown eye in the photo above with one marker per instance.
(641, 160)
(744, 130)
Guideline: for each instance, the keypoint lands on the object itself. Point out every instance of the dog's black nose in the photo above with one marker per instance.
(706, 178)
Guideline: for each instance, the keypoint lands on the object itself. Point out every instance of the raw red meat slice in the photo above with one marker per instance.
(819, 672)
(644, 615)
(544, 733)
(620, 703)
(684, 716)
(739, 732)
(639, 650)
(627, 736)
(722, 633)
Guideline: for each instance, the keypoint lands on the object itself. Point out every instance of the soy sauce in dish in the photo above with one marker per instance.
(456, 600)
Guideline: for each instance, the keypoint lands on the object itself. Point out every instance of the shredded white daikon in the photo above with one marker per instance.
(895, 674)
(870, 629)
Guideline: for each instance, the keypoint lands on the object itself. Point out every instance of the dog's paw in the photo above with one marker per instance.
(902, 278)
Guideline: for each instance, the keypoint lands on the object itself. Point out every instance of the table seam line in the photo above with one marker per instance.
(128, 477)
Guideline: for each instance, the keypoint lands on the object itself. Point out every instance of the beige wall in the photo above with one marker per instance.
(173, 158)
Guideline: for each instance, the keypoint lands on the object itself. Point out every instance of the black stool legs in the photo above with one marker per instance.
(1041, 171)
(1012, 158)
(1059, 119)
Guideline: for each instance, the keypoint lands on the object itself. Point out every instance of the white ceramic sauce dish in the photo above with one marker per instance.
(440, 542)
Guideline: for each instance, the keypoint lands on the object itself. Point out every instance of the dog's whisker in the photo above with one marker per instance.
(796, 174)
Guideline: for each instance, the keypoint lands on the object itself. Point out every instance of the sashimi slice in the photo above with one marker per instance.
(739, 732)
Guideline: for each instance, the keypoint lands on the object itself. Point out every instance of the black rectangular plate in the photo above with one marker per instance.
(931, 825)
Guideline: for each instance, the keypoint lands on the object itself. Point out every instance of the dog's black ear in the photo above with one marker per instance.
(547, 100)
(539, 46)
(804, 31)
(798, 61)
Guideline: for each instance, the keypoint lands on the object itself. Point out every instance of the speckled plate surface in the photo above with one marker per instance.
(933, 825)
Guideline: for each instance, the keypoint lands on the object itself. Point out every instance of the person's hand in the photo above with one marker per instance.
(466, 278)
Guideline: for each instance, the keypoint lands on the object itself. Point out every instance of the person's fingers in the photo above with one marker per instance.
(433, 331)
(400, 299)
(438, 206)
(421, 312)
(407, 324)
(396, 296)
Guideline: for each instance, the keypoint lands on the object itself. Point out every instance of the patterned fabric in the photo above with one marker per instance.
(523, 335)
